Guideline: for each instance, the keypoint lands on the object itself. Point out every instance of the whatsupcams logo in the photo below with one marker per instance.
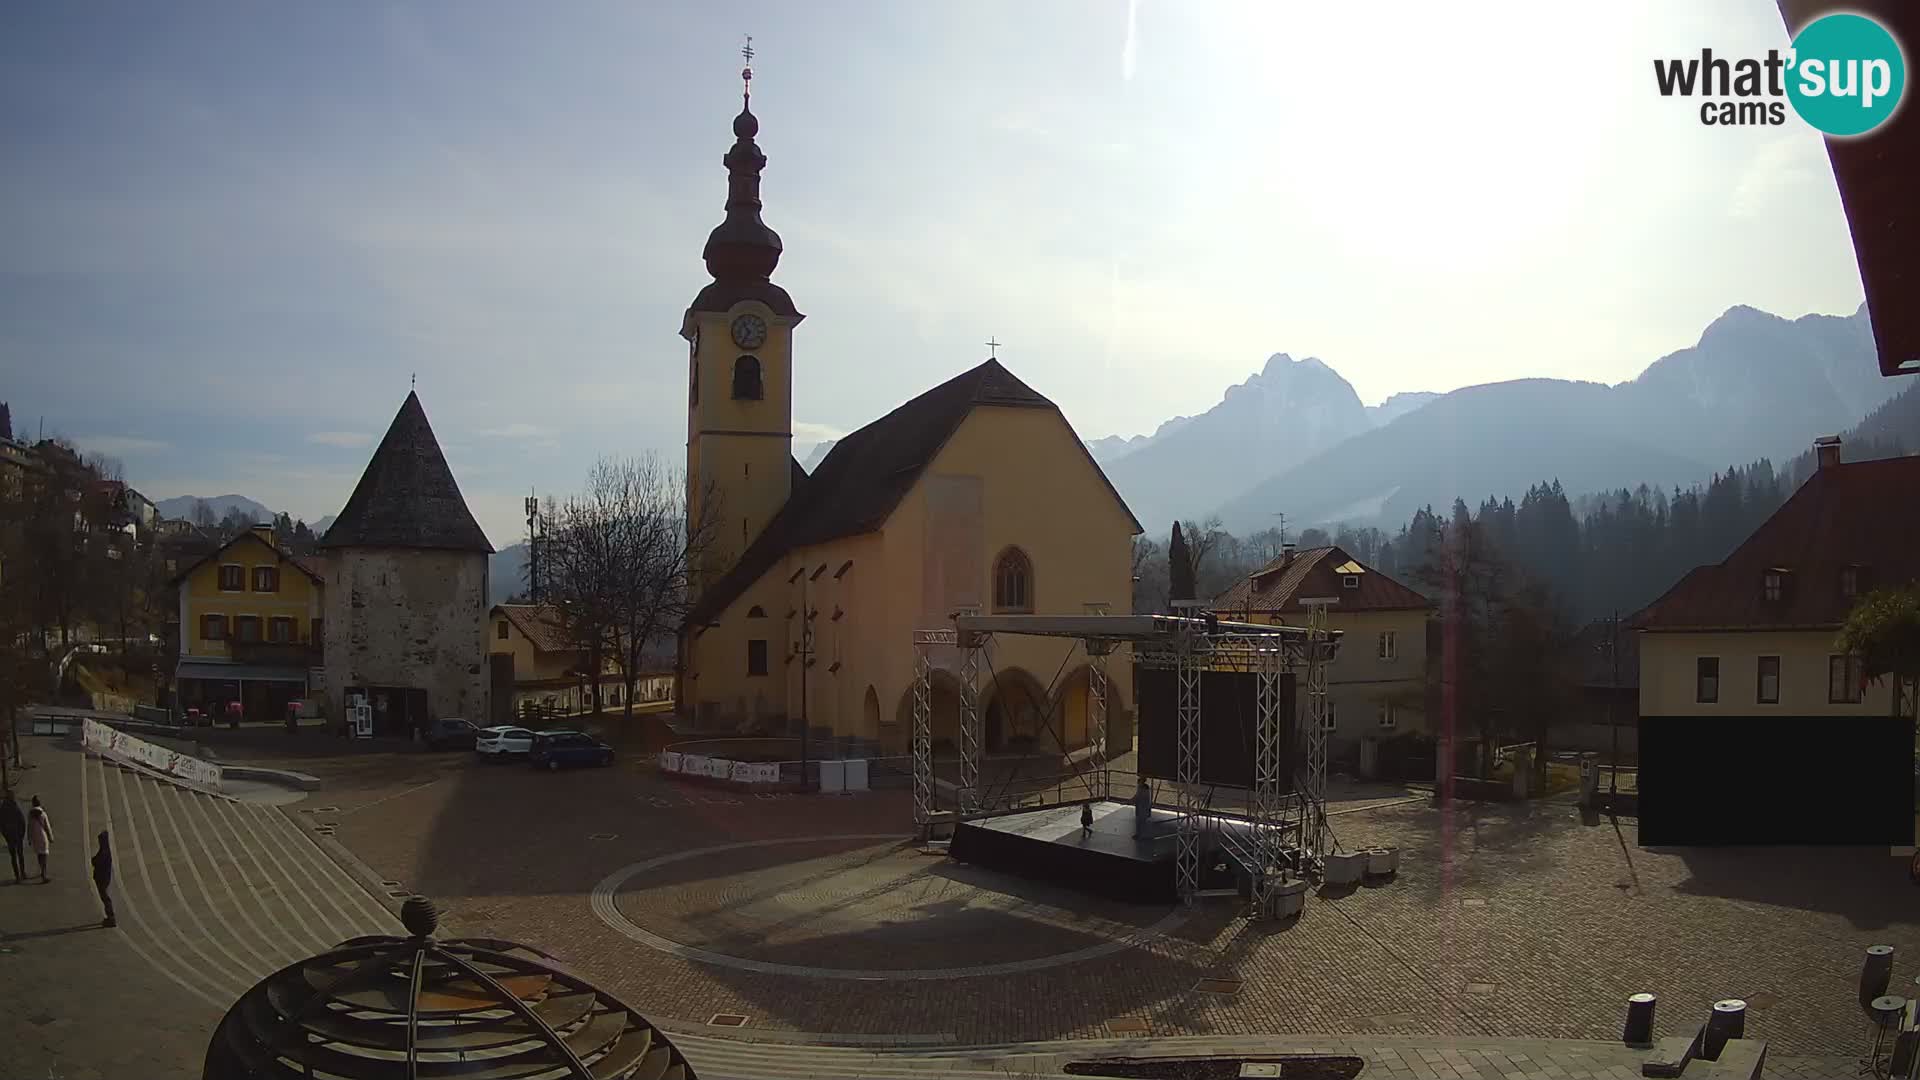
(1844, 75)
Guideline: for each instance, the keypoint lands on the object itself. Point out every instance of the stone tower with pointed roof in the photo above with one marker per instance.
(976, 494)
(406, 590)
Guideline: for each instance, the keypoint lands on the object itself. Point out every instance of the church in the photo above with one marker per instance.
(976, 496)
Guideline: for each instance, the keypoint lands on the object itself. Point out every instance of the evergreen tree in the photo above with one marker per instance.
(1180, 567)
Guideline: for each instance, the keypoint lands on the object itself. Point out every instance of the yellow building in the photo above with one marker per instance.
(250, 628)
(1376, 686)
(535, 666)
(975, 496)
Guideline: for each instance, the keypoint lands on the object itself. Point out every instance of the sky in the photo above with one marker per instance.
(231, 234)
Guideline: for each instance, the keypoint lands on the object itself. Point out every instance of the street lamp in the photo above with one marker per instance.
(803, 651)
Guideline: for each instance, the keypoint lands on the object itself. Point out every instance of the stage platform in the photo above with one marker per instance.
(1049, 844)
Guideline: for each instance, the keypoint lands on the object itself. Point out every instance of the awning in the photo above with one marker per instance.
(214, 669)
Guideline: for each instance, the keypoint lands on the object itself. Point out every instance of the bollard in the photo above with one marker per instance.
(1728, 1020)
(1876, 974)
(1639, 1029)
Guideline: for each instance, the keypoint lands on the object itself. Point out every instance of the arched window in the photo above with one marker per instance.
(1013, 581)
(746, 379)
(756, 612)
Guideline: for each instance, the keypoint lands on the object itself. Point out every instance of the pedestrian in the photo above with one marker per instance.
(40, 835)
(103, 877)
(13, 825)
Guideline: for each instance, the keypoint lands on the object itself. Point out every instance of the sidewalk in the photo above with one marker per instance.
(76, 1002)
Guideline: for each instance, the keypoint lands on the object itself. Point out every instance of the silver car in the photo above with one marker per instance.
(495, 743)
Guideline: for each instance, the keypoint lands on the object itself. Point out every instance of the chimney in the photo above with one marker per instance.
(264, 532)
(1286, 554)
(1826, 451)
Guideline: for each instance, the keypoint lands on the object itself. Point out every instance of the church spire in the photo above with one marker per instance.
(742, 247)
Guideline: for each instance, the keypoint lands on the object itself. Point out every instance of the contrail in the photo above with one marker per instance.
(1130, 49)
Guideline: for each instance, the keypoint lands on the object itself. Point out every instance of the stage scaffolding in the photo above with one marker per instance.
(1280, 835)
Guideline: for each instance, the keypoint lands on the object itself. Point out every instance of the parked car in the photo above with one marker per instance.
(500, 742)
(555, 749)
(451, 732)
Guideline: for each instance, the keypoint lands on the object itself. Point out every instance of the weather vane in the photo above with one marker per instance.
(413, 380)
(746, 73)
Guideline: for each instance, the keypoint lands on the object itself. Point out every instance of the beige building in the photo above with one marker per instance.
(1746, 649)
(975, 496)
(1376, 686)
(1754, 635)
(536, 666)
(406, 588)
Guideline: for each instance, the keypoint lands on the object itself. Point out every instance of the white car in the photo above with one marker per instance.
(500, 742)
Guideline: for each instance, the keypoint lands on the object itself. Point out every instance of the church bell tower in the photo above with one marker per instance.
(739, 334)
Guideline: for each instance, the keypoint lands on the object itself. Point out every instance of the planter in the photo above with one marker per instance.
(1382, 861)
(1285, 899)
(1346, 868)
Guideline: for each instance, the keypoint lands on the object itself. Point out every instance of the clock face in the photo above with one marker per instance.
(749, 331)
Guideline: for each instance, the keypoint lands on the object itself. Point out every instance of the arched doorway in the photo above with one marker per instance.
(1075, 718)
(944, 694)
(1014, 717)
(870, 714)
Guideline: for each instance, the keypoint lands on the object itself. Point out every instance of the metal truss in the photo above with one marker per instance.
(1269, 803)
(1192, 654)
(1099, 778)
(970, 724)
(923, 802)
(1282, 832)
(1312, 780)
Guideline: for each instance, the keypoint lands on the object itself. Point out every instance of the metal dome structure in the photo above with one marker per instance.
(415, 1008)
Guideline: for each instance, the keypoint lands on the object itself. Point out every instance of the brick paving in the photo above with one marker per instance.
(512, 851)
(1506, 921)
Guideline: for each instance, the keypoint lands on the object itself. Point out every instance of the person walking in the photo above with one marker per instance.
(103, 877)
(40, 835)
(13, 825)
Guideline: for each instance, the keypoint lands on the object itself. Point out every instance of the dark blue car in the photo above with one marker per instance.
(557, 749)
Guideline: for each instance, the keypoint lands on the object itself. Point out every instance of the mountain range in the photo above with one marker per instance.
(1295, 440)
(180, 508)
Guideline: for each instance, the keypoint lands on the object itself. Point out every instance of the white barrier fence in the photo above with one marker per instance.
(834, 776)
(101, 739)
(739, 772)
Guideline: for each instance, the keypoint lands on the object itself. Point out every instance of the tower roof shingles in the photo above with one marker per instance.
(407, 498)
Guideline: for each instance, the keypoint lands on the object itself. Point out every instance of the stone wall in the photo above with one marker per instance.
(408, 618)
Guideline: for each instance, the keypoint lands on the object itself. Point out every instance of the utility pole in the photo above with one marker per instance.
(533, 547)
(1613, 656)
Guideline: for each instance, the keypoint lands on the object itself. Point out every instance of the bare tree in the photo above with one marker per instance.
(619, 559)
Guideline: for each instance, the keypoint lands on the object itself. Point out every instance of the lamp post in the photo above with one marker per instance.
(1612, 649)
(803, 652)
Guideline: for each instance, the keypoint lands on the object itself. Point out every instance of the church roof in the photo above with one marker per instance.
(866, 474)
(407, 498)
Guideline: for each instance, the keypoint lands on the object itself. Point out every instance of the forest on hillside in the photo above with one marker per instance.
(1592, 553)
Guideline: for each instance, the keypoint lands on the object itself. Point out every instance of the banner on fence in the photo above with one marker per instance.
(114, 743)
